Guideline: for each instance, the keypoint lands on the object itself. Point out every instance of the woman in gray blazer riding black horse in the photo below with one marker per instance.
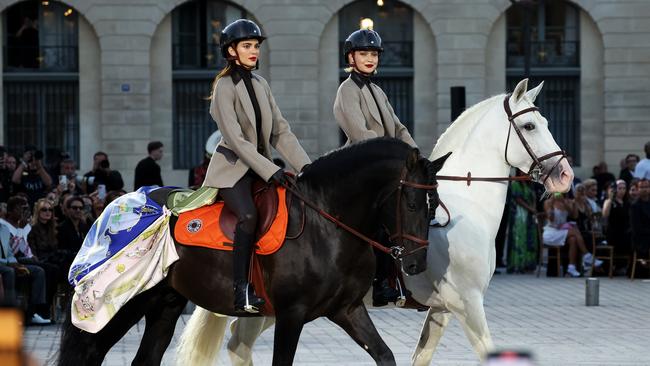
(250, 122)
(363, 111)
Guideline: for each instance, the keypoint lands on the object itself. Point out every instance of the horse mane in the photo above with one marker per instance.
(456, 134)
(348, 159)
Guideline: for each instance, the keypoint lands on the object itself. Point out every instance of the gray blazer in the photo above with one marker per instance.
(358, 115)
(232, 110)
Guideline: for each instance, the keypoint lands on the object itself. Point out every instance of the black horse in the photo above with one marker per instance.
(380, 184)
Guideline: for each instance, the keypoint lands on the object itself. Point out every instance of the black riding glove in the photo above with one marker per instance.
(279, 178)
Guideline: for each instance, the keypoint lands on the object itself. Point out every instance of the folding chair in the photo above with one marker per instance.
(636, 259)
(540, 218)
(598, 249)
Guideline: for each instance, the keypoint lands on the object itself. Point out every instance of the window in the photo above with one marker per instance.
(196, 59)
(41, 80)
(553, 35)
(553, 56)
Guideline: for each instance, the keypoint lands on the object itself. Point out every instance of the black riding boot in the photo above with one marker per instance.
(382, 294)
(245, 298)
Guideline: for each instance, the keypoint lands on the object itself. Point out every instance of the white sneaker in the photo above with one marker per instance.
(572, 271)
(587, 259)
(37, 319)
(598, 263)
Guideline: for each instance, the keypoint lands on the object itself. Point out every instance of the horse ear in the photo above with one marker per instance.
(520, 91)
(438, 163)
(532, 93)
(412, 159)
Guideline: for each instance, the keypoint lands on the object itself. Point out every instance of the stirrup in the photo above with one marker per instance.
(248, 307)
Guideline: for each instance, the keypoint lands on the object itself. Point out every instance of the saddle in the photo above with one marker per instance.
(213, 226)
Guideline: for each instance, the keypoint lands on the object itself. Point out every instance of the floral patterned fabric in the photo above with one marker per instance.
(137, 267)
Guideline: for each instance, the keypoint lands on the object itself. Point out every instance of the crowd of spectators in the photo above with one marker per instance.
(612, 211)
(45, 213)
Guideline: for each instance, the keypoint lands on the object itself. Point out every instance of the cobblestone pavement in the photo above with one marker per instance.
(544, 315)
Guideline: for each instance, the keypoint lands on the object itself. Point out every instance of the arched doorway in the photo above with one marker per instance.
(543, 43)
(196, 29)
(41, 78)
(394, 22)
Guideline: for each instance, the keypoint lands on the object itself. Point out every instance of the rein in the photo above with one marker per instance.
(397, 252)
(534, 172)
(469, 179)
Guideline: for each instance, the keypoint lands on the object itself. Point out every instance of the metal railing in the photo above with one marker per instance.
(197, 56)
(192, 123)
(41, 58)
(44, 114)
(549, 53)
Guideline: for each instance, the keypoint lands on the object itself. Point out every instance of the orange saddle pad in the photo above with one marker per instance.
(213, 227)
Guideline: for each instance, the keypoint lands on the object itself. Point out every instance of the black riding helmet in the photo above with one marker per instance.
(239, 30)
(363, 39)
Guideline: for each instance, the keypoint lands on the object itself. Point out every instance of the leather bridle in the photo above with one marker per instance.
(536, 169)
(397, 251)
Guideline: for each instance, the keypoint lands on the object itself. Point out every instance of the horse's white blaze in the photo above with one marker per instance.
(461, 256)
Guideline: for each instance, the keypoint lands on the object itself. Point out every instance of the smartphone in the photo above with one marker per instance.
(63, 180)
(101, 191)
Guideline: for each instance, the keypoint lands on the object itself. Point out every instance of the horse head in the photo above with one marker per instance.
(407, 215)
(529, 145)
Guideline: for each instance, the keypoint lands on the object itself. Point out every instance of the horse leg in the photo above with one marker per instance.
(79, 347)
(288, 327)
(159, 330)
(432, 330)
(474, 323)
(245, 332)
(357, 323)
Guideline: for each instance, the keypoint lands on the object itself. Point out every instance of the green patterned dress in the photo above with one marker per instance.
(522, 230)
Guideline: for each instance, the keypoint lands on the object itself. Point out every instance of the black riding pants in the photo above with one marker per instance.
(239, 199)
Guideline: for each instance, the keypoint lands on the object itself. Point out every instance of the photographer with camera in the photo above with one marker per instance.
(30, 176)
(102, 177)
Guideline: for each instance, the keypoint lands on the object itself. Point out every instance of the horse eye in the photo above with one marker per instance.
(529, 126)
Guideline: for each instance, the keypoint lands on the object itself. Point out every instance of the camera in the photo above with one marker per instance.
(35, 154)
(89, 180)
(104, 164)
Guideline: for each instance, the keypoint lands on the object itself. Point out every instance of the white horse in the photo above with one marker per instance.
(487, 140)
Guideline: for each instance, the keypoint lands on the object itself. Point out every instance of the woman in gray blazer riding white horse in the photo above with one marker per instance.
(250, 122)
(363, 111)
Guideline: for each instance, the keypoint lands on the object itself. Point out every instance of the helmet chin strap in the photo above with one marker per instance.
(354, 66)
(237, 60)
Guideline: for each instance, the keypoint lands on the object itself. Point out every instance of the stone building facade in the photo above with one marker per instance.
(126, 73)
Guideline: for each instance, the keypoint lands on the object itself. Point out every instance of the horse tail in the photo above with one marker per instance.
(77, 347)
(201, 339)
